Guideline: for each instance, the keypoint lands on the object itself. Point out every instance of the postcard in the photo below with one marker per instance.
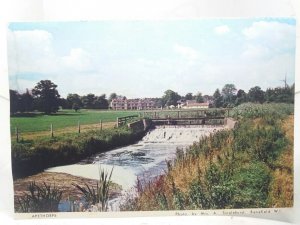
(124, 118)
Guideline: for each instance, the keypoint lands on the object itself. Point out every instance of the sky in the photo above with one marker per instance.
(146, 58)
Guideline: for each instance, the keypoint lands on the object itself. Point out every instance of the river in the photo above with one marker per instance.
(147, 158)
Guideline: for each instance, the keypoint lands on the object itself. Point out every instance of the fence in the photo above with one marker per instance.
(125, 119)
(77, 128)
(193, 113)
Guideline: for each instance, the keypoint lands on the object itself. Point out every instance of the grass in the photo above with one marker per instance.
(38, 122)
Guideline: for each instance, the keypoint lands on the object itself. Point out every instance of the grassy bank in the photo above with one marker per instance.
(250, 166)
(29, 157)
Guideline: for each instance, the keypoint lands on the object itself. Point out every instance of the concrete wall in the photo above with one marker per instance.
(140, 125)
(230, 123)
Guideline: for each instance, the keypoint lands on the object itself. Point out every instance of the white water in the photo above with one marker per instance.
(147, 158)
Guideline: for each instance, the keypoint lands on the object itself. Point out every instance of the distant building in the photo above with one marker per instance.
(193, 104)
(132, 104)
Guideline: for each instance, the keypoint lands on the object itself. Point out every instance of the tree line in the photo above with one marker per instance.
(44, 97)
(229, 96)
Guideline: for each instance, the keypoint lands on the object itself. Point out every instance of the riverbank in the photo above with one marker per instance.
(250, 166)
(31, 157)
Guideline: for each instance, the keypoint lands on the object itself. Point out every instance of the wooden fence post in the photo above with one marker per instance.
(100, 125)
(117, 122)
(17, 134)
(51, 128)
(78, 127)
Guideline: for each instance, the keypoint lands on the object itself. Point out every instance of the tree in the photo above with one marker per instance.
(112, 96)
(217, 98)
(26, 102)
(280, 94)
(199, 98)
(101, 102)
(228, 92)
(170, 98)
(14, 101)
(74, 98)
(75, 107)
(188, 96)
(255, 94)
(64, 103)
(88, 101)
(46, 96)
(241, 97)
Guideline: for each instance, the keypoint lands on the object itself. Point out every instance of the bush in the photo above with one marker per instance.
(251, 186)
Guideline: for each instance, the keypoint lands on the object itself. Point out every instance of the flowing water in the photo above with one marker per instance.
(147, 158)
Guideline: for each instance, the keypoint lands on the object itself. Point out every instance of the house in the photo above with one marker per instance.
(132, 104)
(193, 104)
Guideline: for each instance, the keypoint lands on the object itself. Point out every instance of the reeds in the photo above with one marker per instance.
(42, 198)
(98, 196)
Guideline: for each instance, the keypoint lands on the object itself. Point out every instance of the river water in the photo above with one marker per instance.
(147, 158)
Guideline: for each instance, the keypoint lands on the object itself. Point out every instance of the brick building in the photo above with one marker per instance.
(132, 104)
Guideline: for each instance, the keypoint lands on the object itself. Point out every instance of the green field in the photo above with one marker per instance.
(39, 122)
(36, 122)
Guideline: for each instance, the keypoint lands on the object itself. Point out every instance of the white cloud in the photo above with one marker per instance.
(78, 59)
(187, 52)
(220, 30)
(256, 52)
(30, 51)
(275, 35)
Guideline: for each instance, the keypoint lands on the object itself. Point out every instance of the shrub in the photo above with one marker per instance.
(251, 186)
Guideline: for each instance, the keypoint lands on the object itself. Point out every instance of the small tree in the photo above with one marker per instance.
(75, 107)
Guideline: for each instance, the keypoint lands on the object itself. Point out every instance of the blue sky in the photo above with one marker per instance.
(145, 58)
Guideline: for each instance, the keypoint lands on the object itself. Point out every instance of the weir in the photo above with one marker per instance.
(217, 120)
